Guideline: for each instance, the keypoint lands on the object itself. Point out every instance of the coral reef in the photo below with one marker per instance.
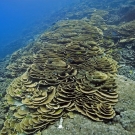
(68, 72)
(70, 69)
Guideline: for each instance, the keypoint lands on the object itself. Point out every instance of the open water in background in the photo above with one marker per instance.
(16, 16)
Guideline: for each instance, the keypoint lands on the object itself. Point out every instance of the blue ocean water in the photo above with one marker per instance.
(18, 15)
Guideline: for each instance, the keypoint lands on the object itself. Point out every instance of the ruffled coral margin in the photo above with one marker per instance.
(69, 72)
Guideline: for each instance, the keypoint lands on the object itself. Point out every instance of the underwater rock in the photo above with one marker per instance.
(127, 120)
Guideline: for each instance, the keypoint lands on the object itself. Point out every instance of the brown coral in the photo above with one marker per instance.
(75, 76)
